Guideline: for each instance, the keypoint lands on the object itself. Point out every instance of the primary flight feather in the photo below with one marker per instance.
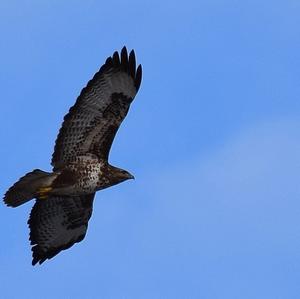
(64, 197)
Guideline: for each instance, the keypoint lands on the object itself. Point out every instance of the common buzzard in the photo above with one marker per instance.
(64, 197)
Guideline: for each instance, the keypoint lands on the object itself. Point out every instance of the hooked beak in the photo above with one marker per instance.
(130, 177)
(127, 175)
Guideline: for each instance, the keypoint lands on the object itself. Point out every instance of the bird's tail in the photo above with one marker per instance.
(31, 185)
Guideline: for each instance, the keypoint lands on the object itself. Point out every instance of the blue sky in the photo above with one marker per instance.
(213, 139)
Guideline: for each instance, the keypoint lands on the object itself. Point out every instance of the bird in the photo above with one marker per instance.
(64, 197)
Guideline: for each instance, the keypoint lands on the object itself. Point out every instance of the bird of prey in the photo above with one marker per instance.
(64, 197)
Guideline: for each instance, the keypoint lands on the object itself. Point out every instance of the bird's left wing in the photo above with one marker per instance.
(57, 223)
(92, 123)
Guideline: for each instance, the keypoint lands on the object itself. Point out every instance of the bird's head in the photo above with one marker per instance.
(117, 175)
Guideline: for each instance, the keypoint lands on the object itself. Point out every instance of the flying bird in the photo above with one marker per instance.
(64, 197)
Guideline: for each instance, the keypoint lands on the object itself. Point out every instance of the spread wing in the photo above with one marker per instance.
(57, 223)
(92, 123)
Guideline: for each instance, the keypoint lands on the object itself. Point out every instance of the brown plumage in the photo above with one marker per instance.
(64, 197)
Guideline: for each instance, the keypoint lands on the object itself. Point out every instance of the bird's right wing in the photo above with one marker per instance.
(92, 123)
(57, 223)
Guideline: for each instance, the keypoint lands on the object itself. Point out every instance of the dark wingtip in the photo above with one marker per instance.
(128, 64)
(125, 62)
(124, 59)
(116, 59)
(132, 64)
(138, 77)
(34, 261)
(109, 62)
(124, 51)
(37, 256)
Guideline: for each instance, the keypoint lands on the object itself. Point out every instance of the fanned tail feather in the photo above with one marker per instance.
(25, 189)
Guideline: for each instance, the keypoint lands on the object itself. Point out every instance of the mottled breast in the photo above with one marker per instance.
(87, 170)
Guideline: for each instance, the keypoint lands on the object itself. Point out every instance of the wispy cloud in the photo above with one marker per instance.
(235, 211)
